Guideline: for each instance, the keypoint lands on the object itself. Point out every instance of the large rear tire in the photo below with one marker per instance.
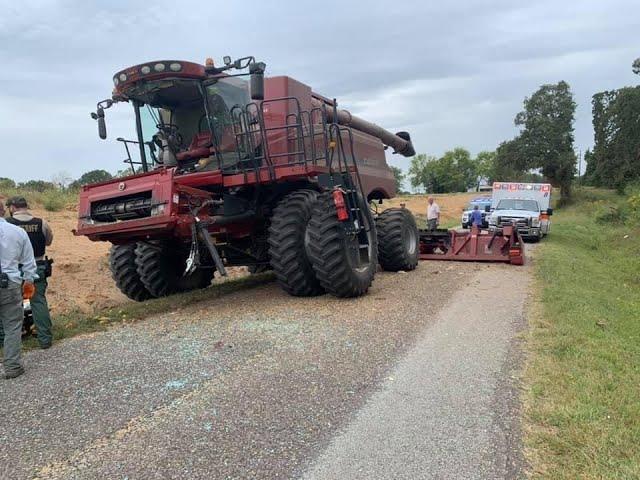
(160, 266)
(344, 264)
(122, 263)
(397, 240)
(287, 244)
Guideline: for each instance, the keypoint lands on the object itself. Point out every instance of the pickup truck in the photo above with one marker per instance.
(525, 205)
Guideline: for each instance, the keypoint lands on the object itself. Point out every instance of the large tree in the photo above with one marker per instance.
(399, 176)
(546, 136)
(615, 158)
(92, 176)
(455, 171)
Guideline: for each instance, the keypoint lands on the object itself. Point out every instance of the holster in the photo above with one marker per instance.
(47, 264)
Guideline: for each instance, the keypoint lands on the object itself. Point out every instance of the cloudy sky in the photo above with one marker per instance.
(452, 75)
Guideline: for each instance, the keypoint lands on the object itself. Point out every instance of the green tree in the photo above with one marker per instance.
(399, 175)
(7, 183)
(615, 159)
(92, 176)
(417, 170)
(455, 171)
(36, 186)
(546, 138)
(486, 165)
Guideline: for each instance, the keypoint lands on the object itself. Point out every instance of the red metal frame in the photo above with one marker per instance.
(504, 245)
(284, 97)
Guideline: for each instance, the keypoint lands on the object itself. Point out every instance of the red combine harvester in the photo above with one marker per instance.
(264, 173)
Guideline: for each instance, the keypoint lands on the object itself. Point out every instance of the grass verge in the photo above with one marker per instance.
(77, 323)
(582, 407)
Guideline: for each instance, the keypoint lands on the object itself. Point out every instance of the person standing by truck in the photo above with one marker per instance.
(433, 214)
(17, 275)
(40, 236)
(476, 217)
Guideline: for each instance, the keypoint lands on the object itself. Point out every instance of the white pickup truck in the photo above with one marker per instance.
(525, 205)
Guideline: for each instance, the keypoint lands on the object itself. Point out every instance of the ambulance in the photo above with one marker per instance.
(525, 205)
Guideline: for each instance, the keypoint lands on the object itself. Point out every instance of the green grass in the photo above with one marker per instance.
(76, 323)
(582, 409)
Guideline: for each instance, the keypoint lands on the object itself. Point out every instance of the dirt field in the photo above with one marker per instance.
(451, 206)
(82, 280)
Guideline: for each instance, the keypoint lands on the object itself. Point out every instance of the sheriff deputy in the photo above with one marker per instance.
(40, 236)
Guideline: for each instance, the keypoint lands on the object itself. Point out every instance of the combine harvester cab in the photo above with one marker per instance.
(265, 174)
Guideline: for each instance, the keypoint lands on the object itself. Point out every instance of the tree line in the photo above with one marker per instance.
(544, 147)
(542, 150)
(60, 181)
(614, 161)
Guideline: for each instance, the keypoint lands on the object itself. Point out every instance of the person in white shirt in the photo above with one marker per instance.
(433, 214)
(17, 274)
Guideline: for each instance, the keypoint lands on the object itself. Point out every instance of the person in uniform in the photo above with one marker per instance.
(17, 276)
(40, 236)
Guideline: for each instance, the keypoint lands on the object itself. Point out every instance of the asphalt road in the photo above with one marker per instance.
(258, 384)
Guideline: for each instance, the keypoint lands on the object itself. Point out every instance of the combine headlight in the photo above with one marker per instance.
(175, 67)
(123, 77)
(157, 209)
(116, 81)
(145, 70)
(159, 67)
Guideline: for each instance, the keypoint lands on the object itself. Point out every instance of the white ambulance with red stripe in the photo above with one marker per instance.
(525, 205)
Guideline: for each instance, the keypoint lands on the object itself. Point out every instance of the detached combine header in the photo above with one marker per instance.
(500, 245)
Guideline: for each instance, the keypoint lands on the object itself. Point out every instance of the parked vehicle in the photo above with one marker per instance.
(484, 205)
(525, 205)
(266, 174)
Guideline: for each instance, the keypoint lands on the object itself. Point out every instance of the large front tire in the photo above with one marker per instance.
(397, 240)
(344, 264)
(122, 263)
(160, 266)
(287, 244)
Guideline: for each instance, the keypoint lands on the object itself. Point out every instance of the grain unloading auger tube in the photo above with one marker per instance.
(400, 141)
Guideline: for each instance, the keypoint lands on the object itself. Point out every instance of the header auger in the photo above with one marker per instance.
(265, 174)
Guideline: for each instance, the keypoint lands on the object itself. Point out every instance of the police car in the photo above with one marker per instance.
(484, 205)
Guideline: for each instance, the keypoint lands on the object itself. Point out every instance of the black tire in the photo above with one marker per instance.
(287, 244)
(337, 260)
(160, 266)
(398, 240)
(122, 263)
(260, 250)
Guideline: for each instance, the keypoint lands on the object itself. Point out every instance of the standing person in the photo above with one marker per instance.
(17, 274)
(40, 236)
(433, 214)
(476, 217)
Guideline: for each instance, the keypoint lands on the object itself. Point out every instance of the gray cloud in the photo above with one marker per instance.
(450, 74)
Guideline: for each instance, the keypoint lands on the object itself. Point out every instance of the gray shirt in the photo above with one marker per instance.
(16, 250)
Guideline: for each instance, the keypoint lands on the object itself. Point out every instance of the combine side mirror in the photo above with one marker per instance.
(549, 211)
(257, 80)
(102, 126)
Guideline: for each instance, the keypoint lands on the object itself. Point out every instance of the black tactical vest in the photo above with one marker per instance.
(33, 228)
